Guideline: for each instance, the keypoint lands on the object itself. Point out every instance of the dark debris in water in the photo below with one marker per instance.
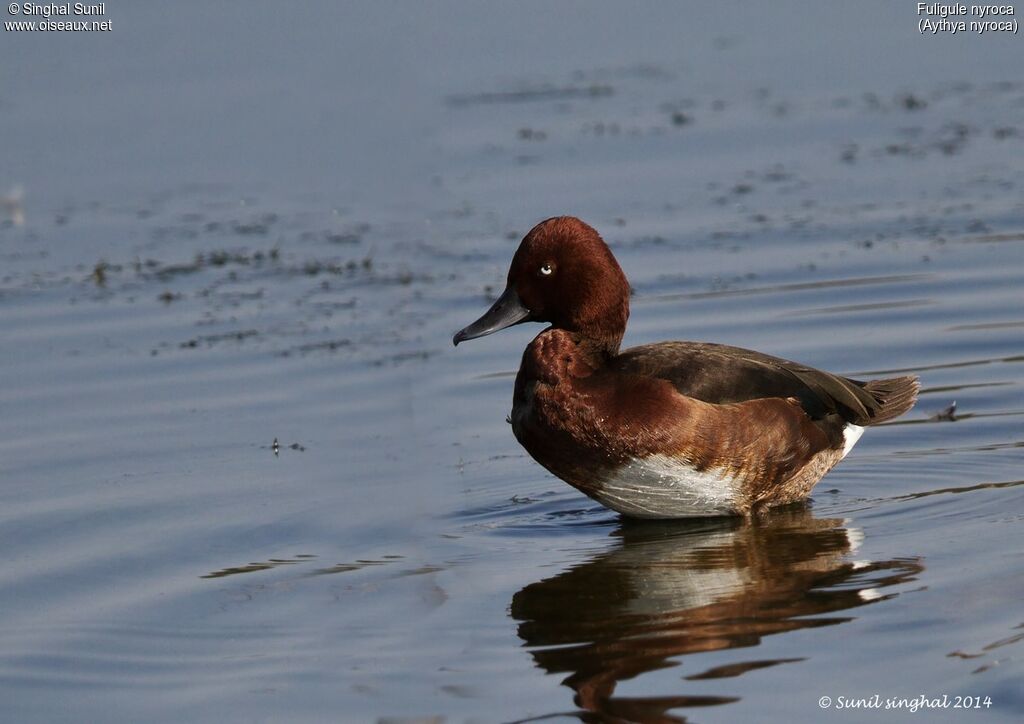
(534, 94)
(248, 289)
(152, 269)
(327, 345)
(681, 119)
(276, 447)
(212, 339)
(348, 237)
(911, 102)
(947, 413)
(401, 357)
(201, 261)
(260, 226)
(531, 134)
(100, 271)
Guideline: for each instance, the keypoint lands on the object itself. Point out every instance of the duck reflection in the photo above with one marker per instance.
(671, 589)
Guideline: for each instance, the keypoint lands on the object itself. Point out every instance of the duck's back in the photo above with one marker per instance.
(721, 374)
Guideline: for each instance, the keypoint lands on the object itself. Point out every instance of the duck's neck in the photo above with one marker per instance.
(600, 347)
(602, 329)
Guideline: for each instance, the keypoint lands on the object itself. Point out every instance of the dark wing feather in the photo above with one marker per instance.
(722, 374)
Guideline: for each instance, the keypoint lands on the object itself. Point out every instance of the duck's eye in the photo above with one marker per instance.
(547, 270)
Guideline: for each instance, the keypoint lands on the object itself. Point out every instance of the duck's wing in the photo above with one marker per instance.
(722, 374)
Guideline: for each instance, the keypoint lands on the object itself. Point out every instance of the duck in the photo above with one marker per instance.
(672, 429)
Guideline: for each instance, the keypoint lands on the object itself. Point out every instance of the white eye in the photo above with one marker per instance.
(547, 270)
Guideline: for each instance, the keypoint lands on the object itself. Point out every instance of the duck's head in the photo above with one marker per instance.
(564, 274)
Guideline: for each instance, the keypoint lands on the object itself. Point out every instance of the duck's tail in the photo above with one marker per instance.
(895, 396)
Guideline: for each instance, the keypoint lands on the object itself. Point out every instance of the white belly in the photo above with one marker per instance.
(660, 486)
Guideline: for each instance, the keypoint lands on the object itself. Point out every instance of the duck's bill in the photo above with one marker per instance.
(505, 312)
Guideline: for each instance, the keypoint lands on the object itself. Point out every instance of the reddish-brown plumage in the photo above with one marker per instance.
(689, 416)
(586, 293)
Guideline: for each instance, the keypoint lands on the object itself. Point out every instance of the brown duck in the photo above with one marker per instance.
(666, 430)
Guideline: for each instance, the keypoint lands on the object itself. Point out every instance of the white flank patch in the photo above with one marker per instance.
(660, 486)
(851, 434)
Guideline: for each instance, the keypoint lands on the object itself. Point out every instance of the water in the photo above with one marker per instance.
(241, 227)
